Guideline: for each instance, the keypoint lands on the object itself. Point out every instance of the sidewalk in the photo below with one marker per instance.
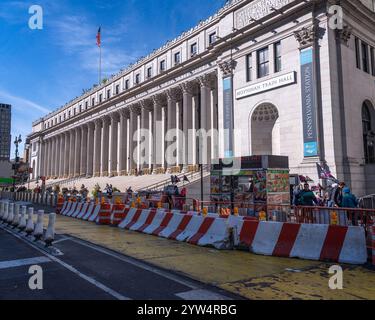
(251, 276)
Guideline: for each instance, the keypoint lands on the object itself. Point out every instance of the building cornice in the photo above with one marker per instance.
(231, 6)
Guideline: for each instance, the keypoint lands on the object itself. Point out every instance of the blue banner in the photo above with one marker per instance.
(309, 110)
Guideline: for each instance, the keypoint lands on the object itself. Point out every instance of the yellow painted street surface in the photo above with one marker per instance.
(251, 276)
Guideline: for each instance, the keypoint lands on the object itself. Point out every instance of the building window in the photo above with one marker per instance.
(127, 84)
(108, 94)
(249, 67)
(138, 78)
(193, 49)
(80, 108)
(86, 105)
(177, 58)
(149, 72)
(263, 63)
(162, 65)
(100, 98)
(277, 49)
(357, 53)
(372, 53)
(368, 134)
(69, 114)
(212, 38)
(93, 102)
(365, 58)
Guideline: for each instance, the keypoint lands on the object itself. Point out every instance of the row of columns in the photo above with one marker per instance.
(107, 145)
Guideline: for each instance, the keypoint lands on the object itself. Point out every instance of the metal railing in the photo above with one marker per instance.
(367, 202)
(65, 181)
(192, 176)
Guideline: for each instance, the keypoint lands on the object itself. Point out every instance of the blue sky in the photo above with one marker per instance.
(41, 70)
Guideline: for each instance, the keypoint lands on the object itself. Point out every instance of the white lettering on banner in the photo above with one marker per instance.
(257, 10)
(270, 84)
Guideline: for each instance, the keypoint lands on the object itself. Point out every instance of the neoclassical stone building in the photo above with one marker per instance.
(283, 77)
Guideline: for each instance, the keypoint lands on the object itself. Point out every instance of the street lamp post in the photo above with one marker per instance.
(17, 142)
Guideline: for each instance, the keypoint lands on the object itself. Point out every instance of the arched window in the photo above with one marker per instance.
(368, 134)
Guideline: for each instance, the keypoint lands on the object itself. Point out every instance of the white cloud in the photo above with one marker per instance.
(21, 103)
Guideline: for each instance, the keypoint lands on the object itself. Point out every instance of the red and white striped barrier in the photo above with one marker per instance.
(77, 210)
(305, 241)
(72, 209)
(63, 207)
(94, 214)
(145, 219)
(84, 210)
(212, 232)
(198, 230)
(131, 218)
(89, 212)
(160, 222)
(66, 209)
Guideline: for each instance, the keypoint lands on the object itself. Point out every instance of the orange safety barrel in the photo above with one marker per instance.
(104, 216)
(119, 213)
(60, 203)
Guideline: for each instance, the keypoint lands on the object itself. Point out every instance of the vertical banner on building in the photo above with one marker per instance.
(228, 116)
(309, 110)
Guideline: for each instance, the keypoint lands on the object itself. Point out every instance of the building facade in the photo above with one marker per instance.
(5, 140)
(5, 126)
(282, 77)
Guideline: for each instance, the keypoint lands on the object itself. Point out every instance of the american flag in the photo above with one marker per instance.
(325, 173)
(98, 38)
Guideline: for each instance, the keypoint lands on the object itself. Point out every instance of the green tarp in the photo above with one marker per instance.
(6, 181)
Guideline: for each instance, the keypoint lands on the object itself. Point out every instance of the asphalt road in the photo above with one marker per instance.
(89, 272)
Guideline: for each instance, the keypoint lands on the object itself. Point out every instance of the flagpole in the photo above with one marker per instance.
(100, 64)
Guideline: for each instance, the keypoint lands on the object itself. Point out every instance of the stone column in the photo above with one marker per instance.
(45, 158)
(187, 96)
(157, 133)
(50, 157)
(83, 162)
(67, 154)
(205, 114)
(62, 156)
(114, 144)
(133, 139)
(77, 151)
(214, 123)
(97, 147)
(71, 153)
(124, 114)
(57, 157)
(171, 129)
(196, 116)
(145, 135)
(90, 149)
(105, 146)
